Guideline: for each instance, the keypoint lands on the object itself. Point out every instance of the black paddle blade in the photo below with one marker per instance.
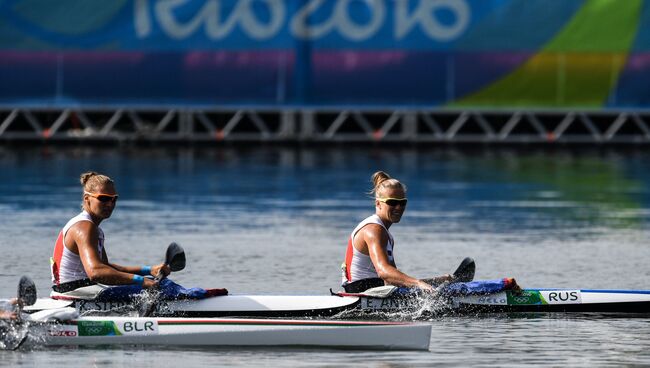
(175, 257)
(26, 291)
(465, 271)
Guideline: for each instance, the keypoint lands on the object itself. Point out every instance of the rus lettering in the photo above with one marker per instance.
(562, 296)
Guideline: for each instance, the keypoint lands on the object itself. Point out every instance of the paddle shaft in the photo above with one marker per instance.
(175, 259)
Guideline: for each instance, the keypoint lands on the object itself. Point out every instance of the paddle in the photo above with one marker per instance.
(26, 296)
(26, 292)
(175, 259)
(465, 271)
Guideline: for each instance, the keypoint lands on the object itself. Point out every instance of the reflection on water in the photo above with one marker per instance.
(276, 220)
(601, 185)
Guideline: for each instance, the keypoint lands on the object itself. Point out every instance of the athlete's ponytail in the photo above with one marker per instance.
(381, 181)
(91, 180)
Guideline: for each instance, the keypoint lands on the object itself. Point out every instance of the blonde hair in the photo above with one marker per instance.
(91, 181)
(382, 181)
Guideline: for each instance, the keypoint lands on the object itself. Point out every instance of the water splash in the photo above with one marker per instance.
(414, 307)
(12, 334)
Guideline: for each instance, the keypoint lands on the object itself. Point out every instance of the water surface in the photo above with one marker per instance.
(275, 220)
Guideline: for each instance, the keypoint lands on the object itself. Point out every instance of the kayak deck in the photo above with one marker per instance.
(276, 306)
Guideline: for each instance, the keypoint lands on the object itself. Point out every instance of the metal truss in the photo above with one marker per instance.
(345, 125)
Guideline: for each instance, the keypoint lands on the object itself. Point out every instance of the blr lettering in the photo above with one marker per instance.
(138, 326)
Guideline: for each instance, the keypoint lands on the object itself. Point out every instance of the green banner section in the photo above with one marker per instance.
(577, 68)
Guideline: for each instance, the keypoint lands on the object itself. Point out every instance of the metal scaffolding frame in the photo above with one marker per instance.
(322, 125)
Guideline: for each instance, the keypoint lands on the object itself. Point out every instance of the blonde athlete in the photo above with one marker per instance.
(369, 260)
(80, 258)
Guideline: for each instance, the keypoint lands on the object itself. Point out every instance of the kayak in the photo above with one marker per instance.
(385, 300)
(382, 300)
(220, 332)
(52, 322)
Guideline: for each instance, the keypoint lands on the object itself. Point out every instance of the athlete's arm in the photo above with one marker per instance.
(435, 281)
(84, 236)
(137, 270)
(376, 240)
(155, 270)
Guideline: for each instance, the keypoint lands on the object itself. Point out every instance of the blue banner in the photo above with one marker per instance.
(432, 53)
(181, 25)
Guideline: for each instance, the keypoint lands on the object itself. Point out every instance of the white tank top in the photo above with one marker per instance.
(361, 266)
(71, 268)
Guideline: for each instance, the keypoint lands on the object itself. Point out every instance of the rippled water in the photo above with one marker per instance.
(276, 220)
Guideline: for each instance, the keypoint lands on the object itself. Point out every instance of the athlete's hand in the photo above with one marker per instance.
(7, 315)
(149, 283)
(157, 269)
(425, 286)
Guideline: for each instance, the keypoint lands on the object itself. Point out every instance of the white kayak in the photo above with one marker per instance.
(225, 332)
(383, 299)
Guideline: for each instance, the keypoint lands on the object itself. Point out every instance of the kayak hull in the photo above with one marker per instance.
(219, 332)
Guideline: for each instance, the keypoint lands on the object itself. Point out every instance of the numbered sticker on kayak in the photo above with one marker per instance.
(490, 299)
(64, 331)
(140, 326)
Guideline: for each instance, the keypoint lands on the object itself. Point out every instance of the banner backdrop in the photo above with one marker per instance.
(427, 53)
